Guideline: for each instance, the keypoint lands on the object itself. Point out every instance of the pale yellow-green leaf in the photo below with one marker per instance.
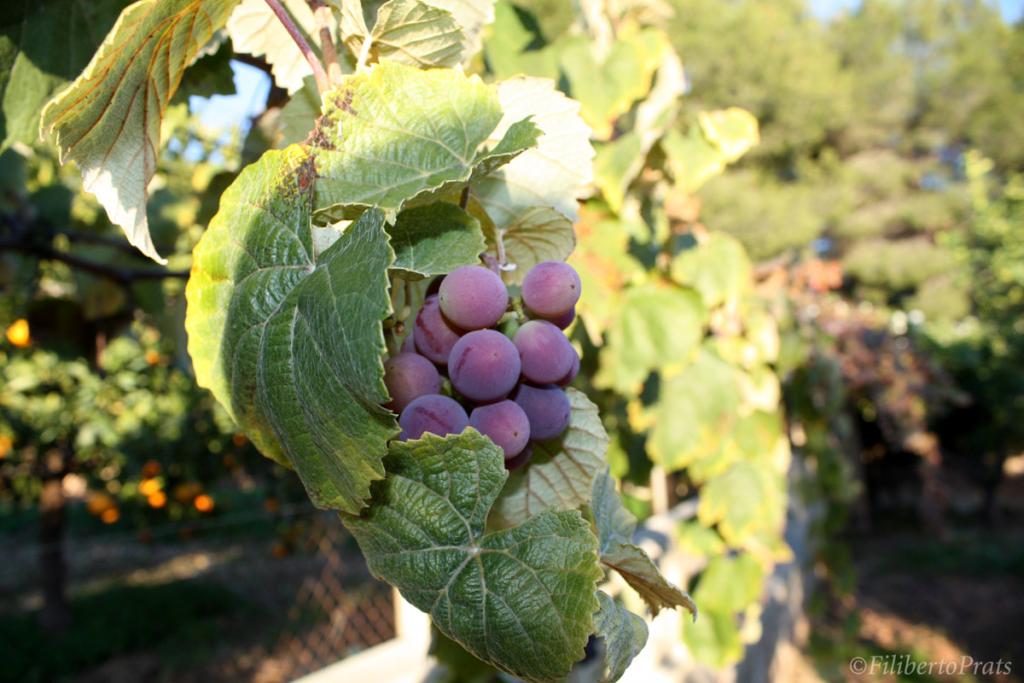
(734, 131)
(255, 30)
(561, 474)
(406, 31)
(556, 173)
(471, 16)
(747, 499)
(536, 234)
(108, 120)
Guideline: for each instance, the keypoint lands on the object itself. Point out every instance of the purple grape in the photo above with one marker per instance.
(518, 461)
(544, 350)
(409, 376)
(547, 409)
(484, 366)
(563, 321)
(473, 297)
(551, 289)
(435, 337)
(567, 380)
(432, 413)
(505, 423)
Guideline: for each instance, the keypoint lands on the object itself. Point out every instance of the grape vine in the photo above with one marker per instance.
(381, 307)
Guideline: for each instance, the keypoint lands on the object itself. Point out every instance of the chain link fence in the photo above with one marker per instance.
(283, 594)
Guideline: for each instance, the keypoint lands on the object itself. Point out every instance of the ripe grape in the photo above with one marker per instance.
(517, 461)
(563, 321)
(484, 366)
(551, 289)
(547, 408)
(546, 354)
(571, 375)
(409, 376)
(435, 337)
(432, 413)
(473, 297)
(505, 423)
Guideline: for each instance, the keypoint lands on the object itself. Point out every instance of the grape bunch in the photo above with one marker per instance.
(506, 373)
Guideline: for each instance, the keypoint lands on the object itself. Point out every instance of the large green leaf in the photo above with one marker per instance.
(729, 584)
(406, 31)
(721, 138)
(561, 473)
(435, 239)
(615, 529)
(717, 267)
(556, 173)
(394, 132)
(747, 499)
(507, 47)
(624, 634)
(522, 599)
(714, 639)
(694, 412)
(108, 121)
(31, 68)
(256, 30)
(289, 340)
(656, 327)
(607, 85)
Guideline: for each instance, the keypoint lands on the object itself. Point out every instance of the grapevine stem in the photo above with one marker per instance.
(322, 14)
(322, 82)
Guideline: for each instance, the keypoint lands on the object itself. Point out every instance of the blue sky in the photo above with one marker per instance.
(251, 84)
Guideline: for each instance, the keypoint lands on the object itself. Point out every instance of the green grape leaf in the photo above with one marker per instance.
(657, 328)
(506, 48)
(615, 529)
(557, 172)
(694, 412)
(522, 599)
(108, 120)
(435, 239)
(255, 30)
(394, 133)
(289, 341)
(691, 159)
(729, 584)
(561, 472)
(714, 639)
(620, 161)
(717, 267)
(406, 31)
(536, 234)
(699, 540)
(606, 88)
(624, 634)
(745, 500)
(31, 69)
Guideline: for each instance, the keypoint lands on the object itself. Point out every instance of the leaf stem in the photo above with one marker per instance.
(322, 14)
(323, 84)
